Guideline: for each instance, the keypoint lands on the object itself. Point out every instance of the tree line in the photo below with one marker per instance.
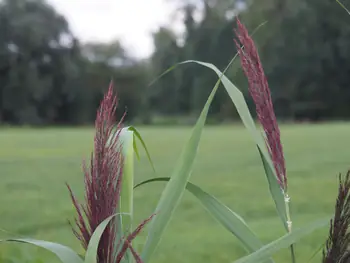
(48, 77)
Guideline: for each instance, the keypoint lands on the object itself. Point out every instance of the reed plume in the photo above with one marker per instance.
(260, 92)
(338, 242)
(103, 187)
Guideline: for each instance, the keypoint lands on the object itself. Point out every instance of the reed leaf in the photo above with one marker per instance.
(223, 214)
(283, 242)
(65, 254)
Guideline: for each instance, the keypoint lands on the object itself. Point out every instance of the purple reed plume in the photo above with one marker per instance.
(338, 242)
(260, 92)
(103, 186)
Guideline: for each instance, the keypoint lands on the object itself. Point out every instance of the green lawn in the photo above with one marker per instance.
(36, 163)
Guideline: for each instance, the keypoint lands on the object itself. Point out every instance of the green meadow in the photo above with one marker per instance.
(35, 164)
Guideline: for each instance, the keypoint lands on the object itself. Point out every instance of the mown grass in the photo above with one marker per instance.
(36, 163)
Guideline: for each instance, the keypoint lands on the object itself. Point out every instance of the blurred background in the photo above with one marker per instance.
(57, 58)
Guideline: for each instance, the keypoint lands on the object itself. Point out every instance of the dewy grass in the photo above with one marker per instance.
(106, 240)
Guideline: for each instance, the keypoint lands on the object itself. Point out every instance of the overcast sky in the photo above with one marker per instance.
(131, 21)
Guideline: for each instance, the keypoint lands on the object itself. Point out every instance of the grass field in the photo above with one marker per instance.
(36, 163)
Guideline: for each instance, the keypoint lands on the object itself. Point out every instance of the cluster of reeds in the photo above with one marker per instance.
(104, 221)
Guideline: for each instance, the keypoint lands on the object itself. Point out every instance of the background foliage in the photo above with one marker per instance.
(47, 76)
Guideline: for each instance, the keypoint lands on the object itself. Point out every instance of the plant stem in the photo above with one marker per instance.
(127, 191)
(292, 253)
(289, 225)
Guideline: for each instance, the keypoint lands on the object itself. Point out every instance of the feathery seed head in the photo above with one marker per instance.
(338, 242)
(103, 186)
(260, 92)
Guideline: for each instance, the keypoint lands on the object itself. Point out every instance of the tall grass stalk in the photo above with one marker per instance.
(260, 92)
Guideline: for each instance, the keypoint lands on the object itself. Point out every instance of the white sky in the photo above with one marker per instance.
(131, 21)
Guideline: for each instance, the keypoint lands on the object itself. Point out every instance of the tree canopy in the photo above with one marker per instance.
(47, 76)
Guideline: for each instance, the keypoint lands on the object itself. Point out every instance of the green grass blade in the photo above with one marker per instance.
(283, 242)
(91, 252)
(243, 111)
(224, 215)
(318, 250)
(126, 197)
(128, 136)
(138, 136)
(65, 254)
(174, 189)
(127, 192)
(275, 190)
(343, 6)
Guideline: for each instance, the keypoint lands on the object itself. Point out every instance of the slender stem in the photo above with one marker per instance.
(127, 191)
(292, 253)
(289, 225)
